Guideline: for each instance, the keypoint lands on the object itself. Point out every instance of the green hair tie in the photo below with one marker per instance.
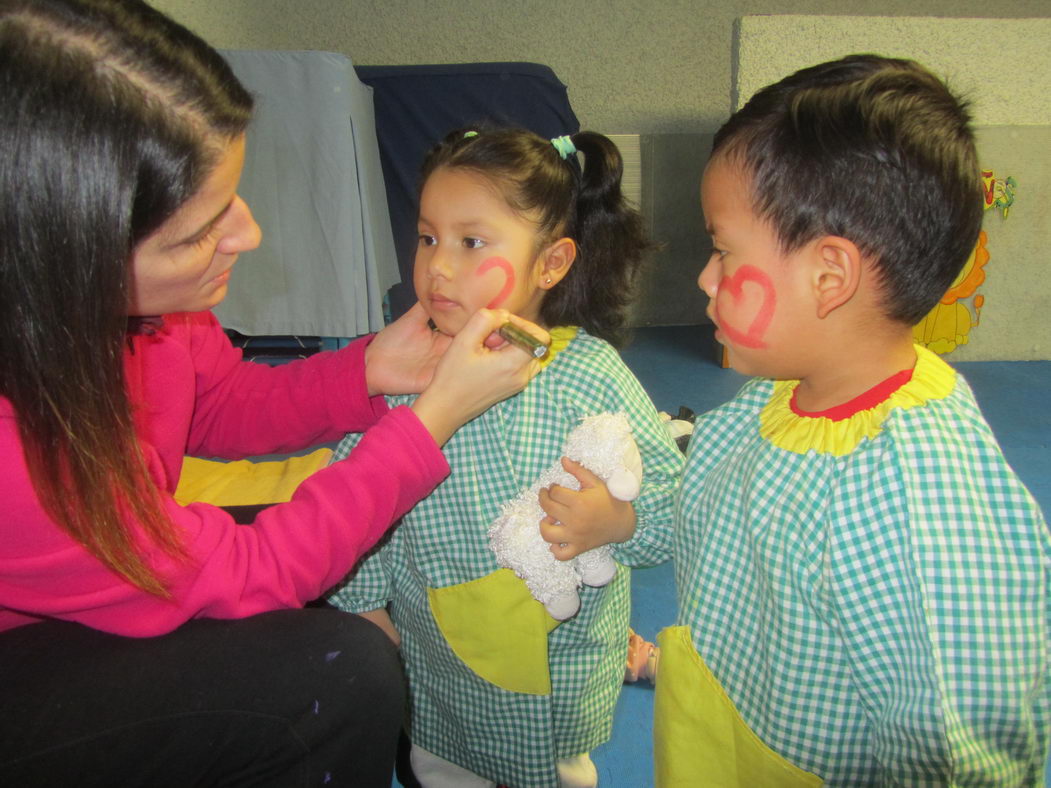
(564, 145)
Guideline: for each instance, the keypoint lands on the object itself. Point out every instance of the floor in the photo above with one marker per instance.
(677, 367)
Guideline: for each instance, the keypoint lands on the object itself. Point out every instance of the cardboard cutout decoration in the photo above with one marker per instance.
(949, 324)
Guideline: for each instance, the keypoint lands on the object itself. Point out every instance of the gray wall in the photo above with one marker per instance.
(632, 66)
(1003, 68)
(664, 69)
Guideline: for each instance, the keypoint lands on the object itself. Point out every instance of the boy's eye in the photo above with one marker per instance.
(427, 240)
(473, 243)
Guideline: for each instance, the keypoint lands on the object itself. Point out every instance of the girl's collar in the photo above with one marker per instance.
(561, 336)
(839, 431)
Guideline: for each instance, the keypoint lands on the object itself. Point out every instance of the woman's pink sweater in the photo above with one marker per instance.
(194, 395)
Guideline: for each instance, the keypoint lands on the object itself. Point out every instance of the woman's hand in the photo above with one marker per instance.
(402, 357)
(476, 372)
(579, 520)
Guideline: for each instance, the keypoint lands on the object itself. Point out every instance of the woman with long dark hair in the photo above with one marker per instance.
(141, 642)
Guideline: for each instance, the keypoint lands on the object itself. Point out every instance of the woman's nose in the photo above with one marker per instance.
(244, 234)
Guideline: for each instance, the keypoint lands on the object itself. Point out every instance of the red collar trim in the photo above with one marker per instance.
(870, 399)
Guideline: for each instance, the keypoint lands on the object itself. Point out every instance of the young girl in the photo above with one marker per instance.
(507, 218)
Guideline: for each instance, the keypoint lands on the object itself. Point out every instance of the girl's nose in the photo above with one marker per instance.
(438, 262)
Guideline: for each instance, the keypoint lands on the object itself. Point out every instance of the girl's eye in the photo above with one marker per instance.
(427, 240)
(473, 243)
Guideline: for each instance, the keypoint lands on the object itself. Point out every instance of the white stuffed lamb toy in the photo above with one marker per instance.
(602, 444)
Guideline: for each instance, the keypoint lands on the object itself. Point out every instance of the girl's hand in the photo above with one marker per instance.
(471, 375)
(579, 520)
(402, 357)
(381, 618)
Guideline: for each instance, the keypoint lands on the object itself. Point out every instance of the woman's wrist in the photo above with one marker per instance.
(438, 419)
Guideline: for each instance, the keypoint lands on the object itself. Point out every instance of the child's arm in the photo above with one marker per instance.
(940, 578)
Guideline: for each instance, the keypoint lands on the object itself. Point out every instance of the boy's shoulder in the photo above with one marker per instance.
(751, 398)
(953, 417)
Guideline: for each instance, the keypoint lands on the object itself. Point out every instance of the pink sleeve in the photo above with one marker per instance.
(243, 408)
(290, 555)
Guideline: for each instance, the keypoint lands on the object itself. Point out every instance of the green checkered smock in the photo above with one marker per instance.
(509, 737)
(878, 617)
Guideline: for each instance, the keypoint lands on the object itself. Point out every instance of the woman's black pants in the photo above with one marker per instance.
(289, 698)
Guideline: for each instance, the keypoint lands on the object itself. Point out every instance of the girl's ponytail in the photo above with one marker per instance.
(611, 246)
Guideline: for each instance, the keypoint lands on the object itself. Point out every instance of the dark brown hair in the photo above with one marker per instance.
(585, 204)
(112, 117)
(872, 149)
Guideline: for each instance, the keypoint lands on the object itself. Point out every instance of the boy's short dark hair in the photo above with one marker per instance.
(872, 149)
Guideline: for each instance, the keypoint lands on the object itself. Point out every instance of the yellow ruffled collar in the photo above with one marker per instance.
(561, 336)
(931, 379)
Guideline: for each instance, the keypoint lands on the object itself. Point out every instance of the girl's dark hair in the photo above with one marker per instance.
(585, 204)
(872, 149)
(112, 116)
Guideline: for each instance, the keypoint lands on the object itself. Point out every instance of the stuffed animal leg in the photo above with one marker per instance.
(602, 444)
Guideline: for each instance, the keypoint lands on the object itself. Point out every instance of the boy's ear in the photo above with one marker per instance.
(837, 273)
(557, 260)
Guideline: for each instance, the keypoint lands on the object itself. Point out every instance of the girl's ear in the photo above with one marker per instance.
(837, 273)
(557, 259)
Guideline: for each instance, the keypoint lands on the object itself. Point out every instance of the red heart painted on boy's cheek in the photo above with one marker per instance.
(733, 288)
(509, 279)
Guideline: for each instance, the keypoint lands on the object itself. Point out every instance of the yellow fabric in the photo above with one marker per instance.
(932, 378)
(698, 736)
(497, 629)
(561, 336)
(493, 624)
(243, 483)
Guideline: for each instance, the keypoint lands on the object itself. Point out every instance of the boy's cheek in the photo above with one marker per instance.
(744, 306)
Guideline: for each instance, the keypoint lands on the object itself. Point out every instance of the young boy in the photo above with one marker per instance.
(863, 581)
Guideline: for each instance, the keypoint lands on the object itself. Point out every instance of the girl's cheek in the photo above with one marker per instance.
(498, 264)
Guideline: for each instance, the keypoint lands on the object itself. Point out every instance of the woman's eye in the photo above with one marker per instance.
(473, 243)
(427, 240)
(205, 238)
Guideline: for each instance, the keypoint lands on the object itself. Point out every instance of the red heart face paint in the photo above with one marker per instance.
(509, 279)
(749, 297)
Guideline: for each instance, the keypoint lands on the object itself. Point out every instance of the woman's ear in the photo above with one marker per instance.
(557, 259)
(837, 273)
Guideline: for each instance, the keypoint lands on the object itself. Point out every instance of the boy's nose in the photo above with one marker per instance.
(708, 279)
